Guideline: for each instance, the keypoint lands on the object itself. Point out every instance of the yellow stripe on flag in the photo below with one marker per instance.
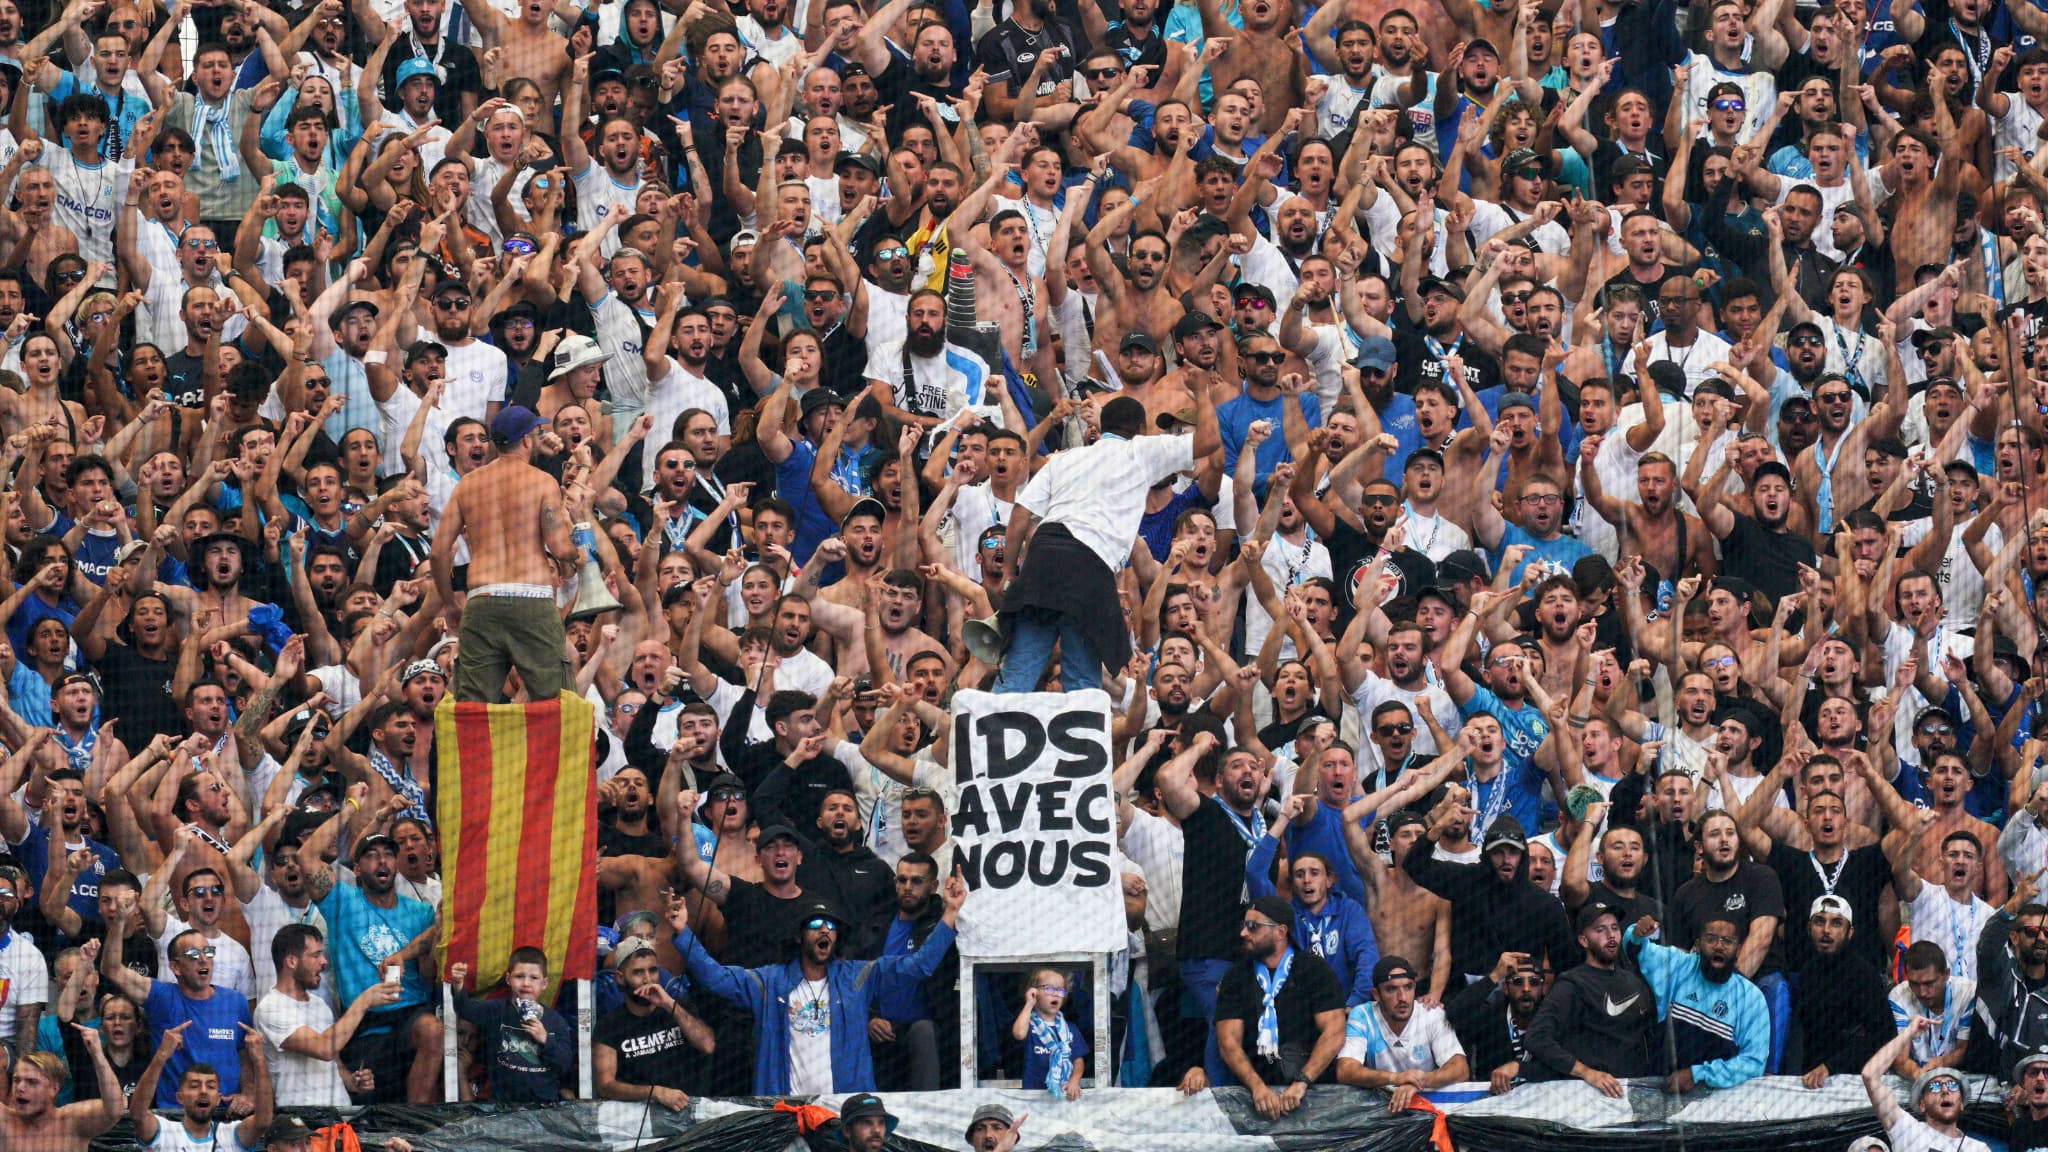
(507, 784)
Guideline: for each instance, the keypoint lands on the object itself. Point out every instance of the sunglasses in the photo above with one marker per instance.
(1803, 417)
(1265, 357)
(1808, 341)
(1392, 730)
(625, 709)
(203, 890)
(1103, 73)
(893, 252)
(1373, 373)
(1253, 924)
(1528, 173)
(1255, 303)
(98, 317)
(819, 296)
(205, 953)
(1515, 297)
(820, 924)
(1936, 729)
(1726, 104)
(1833, 398)
(70, 277)
(195, 245)
(452, 303)
(519, 247)
(1380, 501)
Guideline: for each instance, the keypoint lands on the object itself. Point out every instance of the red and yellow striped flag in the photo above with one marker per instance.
(518, 816)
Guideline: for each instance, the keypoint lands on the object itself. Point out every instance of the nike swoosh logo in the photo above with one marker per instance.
(1614, 1009)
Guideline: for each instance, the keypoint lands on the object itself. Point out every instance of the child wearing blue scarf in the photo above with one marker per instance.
(1055, 1050)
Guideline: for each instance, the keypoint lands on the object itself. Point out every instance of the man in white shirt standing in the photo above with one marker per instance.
(476, 373)
(1072, 526)
(300, 1034)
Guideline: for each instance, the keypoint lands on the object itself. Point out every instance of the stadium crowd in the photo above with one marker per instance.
(1549, 491)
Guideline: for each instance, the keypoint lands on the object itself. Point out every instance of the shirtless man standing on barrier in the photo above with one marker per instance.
(512, 517)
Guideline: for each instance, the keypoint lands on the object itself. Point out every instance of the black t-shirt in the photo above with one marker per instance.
(899, 86)
(1647, 287)
(612, 842)
(2027, 1133)
(1311, 988)
(1863, 876)
(1751, 892)
(651, 1048)
(1352, 552)
(184, 377)
(139, 691)
(1770, 560)
(845, 362)
(401, 558)
(1419, 362)
(1007, 52)
(1212, 895)
(759, 926)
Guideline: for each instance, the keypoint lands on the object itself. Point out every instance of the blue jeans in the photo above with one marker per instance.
(1030, 649)
(1199, 979)
(1777, 990)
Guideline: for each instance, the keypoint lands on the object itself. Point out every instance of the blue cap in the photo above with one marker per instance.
(418, 66)
(1375, 352)
(1516, 400)
(514, 424)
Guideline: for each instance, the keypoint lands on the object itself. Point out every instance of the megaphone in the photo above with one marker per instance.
(984, 640)
(592, 597)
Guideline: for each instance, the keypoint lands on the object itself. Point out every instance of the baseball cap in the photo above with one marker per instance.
(857, 160)
(1376, 353)
(1253, 292)
(1276, 909)
(1392, 968)
(1832, 903)
(1423, 454)
(1770, 468)
(131, 548)
(818, 398)
(775, 832)
(1136, 339)
(1193, 322)
(286, 1129)
(1481, 44)
(514, 424)
(420, 348)
(1464, 564)
(744, 237)
(630, 947)
(865, 506)
(1505, 830)
(1431, 284)
(1926, 336)
(375, 841)
(1525, 158)
(1517, 400)
(1593, 911)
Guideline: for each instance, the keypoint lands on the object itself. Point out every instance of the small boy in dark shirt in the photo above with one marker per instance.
(526, 1046)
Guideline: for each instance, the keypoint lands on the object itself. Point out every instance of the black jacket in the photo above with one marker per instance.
(1843, 1013)
(1667, 845)
(858, 883)
(1479, 1015)
(1490, 916)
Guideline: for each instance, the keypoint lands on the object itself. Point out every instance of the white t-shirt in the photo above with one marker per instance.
(881, 796)
(477, 374)
(2018, 128)
(810, 1038)
(172, 1137)
(1425, 1045)
(596, 191)
(87, 198)
(26, 980)
(976, 509)
(1706, 348)
(232, 967)
(674, 394)
(1376, 690)
(1911, 1135)
(301, 1081)
(1954, 926)
(267, 915)
(1288, 563)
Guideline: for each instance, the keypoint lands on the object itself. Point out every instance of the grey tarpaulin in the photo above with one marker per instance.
(1774, 1112)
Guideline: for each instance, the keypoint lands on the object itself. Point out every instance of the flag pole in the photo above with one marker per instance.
(586, 1079)
(451, 1080)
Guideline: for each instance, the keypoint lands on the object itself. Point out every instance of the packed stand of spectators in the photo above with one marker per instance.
(1548, 491)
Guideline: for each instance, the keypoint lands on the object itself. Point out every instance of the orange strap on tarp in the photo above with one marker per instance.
(1439, 1130)
(811, 1117)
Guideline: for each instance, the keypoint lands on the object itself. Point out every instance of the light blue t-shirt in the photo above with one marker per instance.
(361, 935)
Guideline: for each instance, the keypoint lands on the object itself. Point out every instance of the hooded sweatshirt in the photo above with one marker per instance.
(1601, 1017)
(1490, 915)
(1842, 1011)
(1341, 933)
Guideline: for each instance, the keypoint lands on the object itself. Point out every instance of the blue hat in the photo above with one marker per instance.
(514, 424)
(1376, 352)
(1516, 400)
(418, 66)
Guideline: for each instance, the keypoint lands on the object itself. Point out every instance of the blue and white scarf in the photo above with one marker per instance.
(1056, 1036)
(1271, 980)
(210, 129)
(403, 784)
